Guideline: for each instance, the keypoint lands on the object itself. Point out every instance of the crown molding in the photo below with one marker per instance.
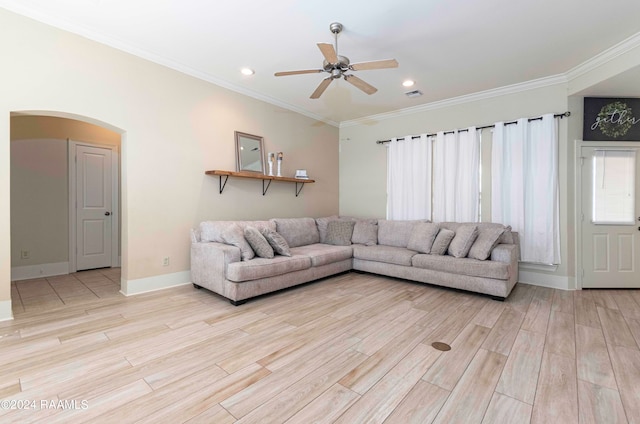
(154, 58)
(467, 98)
(604, 57)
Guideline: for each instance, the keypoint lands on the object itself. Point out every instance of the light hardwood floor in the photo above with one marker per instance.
(355, 348)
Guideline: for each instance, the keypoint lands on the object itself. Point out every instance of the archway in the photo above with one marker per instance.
(41, 246)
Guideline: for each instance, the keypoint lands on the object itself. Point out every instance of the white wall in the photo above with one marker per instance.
(39, 202)
(173, 127)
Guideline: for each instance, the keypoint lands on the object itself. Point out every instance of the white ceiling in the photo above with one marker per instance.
(451, 48)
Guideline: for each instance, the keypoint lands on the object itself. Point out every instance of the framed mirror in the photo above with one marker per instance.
(249, 153)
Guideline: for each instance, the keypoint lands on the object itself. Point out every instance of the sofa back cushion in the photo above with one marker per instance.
(212, 230)
(395, 233)
(297, 231)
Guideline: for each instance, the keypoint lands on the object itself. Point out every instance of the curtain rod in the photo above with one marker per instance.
(558, 115)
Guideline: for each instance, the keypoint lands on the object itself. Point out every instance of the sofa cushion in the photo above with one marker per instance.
(339, 232)
(277, 242)
(382, 253)
(365, 232)
(488, 237)
(212, 230)
(395, 233)
(234, 235)
(298, 231)
(441, 243)
(463, 240)
(463, 266)
(323, 254)
(423, 237)
(263, 268)
(258, 243)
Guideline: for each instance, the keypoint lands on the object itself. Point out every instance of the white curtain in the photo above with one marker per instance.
(456, 168)
(524, 185)
(409, 178)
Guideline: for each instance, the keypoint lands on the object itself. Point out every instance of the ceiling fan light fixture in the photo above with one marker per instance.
(247, 71)
(337, 66)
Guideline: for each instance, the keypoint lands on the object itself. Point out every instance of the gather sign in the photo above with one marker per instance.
(609, 119)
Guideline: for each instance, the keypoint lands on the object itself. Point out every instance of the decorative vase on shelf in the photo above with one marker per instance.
(272, 158)
(280, 156)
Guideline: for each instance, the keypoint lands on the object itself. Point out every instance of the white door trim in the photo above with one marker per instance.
(115, 216)
(579, 215)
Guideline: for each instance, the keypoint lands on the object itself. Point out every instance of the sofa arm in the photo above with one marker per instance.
(506, 253)
(209, 264)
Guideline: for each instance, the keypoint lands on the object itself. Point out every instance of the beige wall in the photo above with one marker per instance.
(39, 184)
(173, 127)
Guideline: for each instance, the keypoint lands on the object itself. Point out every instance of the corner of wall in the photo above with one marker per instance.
(6, 313)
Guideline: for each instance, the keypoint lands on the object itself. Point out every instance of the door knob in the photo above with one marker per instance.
(107, 213)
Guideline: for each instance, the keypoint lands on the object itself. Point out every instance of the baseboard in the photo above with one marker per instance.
(6, 313)
(159, 282)
(39, 271)
(546, 280)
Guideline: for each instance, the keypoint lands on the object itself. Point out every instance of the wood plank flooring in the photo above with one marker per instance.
(354, 348)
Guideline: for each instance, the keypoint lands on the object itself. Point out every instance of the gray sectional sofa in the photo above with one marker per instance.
(477, 257)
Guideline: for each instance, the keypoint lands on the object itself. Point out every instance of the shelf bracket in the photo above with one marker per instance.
(299, 190)
(264, 189)
(220, 184)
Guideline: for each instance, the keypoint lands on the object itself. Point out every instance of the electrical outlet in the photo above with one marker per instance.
(165, 261)
(25, 254)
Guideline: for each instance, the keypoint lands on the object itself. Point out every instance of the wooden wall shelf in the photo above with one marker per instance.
(266, 179)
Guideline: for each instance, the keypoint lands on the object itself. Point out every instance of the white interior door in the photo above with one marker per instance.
(610, 217)
(93, 207)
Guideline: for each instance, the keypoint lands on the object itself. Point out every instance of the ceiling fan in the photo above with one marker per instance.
(337, 66)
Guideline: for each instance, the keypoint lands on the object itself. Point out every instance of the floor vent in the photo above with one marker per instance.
(441, 346)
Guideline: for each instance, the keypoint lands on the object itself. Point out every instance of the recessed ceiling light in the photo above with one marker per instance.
(408, 83)
(247, 71)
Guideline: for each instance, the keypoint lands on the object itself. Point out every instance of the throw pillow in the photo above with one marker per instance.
(441, 243)
(463, 240)
(487, 239)
(365, 233)
(423, 236)
(277, 242)
(339, 233)
(322, 226)
(258, 243)
(234, 235)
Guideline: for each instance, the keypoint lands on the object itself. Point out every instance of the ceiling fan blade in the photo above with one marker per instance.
(328, 52)
(306, 71)
(376, 64)
(367, 88)
(323, 86)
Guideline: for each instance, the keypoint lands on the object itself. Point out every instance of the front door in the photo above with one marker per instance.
(93, 207)
(610, 217)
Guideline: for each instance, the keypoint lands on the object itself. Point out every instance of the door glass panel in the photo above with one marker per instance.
(614, 187)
